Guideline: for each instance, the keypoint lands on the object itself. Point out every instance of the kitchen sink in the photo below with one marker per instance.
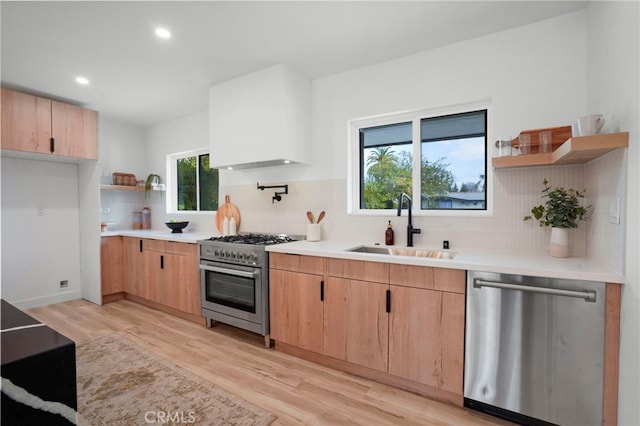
(409, 252)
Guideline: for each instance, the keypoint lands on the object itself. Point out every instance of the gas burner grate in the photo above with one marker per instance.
(254, 239)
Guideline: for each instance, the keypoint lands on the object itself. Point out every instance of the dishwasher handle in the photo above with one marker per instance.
(589, 296)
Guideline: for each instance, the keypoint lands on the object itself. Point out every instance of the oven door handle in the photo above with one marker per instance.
(228, 271)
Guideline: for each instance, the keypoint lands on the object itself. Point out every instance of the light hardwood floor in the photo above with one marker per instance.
(297, 391)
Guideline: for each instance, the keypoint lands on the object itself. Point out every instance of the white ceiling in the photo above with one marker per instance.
(139, 79)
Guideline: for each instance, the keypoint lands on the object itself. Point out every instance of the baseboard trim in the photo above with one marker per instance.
(151, 304)
(50, 299)
(375, 375)
(108, 298)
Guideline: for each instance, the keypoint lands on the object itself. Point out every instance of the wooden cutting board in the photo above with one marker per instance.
(559, 135)
(227, 210)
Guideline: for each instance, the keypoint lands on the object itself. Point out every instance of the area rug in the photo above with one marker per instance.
(121, 383)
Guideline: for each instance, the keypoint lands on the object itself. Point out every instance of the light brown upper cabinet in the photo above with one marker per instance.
(38, 125)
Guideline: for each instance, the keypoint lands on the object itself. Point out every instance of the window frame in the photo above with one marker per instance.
(172, 186)
(354, 161)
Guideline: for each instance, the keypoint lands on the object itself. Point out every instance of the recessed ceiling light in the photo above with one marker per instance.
(229, 168)
(287, 161)
(163, 33)
(82, 80)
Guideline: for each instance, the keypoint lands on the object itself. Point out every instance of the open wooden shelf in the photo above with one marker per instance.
(122, 188)
(576, 150)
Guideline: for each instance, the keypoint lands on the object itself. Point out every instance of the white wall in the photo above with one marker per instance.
(130, 149)
(38, 251)
(121, 149)
(534, 76)
(613, 43)
(184, 134)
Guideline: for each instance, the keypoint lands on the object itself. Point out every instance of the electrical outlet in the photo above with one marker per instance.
(64, 284)
(614, 210)
(40, 211)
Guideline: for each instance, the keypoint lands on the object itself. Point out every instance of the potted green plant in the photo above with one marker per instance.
(152, 181)
(561, 211)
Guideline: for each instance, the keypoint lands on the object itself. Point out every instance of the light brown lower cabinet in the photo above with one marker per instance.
(134, 267)
(404, 321)
(182, 281)
(162, 272)
(296, 309)
(111, 265)
(415, 329)
(356, 323)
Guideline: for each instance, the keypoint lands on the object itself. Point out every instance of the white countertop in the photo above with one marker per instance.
(540, 265)
(184, 237)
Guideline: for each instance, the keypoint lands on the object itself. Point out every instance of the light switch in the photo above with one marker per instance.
(614, 210)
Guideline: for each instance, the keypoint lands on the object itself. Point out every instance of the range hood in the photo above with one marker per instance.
(262, 119)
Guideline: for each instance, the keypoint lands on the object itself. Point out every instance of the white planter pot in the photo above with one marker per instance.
(559, 244)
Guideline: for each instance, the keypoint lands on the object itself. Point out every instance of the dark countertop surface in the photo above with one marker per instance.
(24, 336)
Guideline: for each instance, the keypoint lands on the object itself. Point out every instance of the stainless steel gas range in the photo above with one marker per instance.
(234, 280)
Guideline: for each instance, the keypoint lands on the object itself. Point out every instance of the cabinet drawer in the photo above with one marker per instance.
(184, 249)
(451, 280)
(411, 276)
(154, 245)
(296, 263)
(359, 270)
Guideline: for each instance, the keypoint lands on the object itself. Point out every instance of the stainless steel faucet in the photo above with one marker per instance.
(410, 229)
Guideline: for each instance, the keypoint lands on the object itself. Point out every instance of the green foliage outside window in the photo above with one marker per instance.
(208, 185)
(389, 174)
(437, 181)
(188, 188)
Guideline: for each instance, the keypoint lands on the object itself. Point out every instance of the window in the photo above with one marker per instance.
(440, 160)
(385, 164)
(453, 161)
(192, 185)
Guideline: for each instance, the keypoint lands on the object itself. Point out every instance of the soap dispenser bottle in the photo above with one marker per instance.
(388, 235)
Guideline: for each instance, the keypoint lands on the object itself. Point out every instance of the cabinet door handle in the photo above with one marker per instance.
(322, 291)
(161, 262)
(388, 307)
(140, 246)
(52, 145)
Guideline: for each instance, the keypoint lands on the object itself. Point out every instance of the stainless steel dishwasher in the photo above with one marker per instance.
(534, 348)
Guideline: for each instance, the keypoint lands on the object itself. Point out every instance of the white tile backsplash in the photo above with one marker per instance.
(516, 191)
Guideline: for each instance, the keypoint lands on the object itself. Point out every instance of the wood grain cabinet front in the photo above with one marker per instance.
(181, 286)
(356, 323)
(296, 299)
(135, 279)
(111, 265)
(426, 325)
(296, 309)
(43, 126)
(405, 321)
(163, 272)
